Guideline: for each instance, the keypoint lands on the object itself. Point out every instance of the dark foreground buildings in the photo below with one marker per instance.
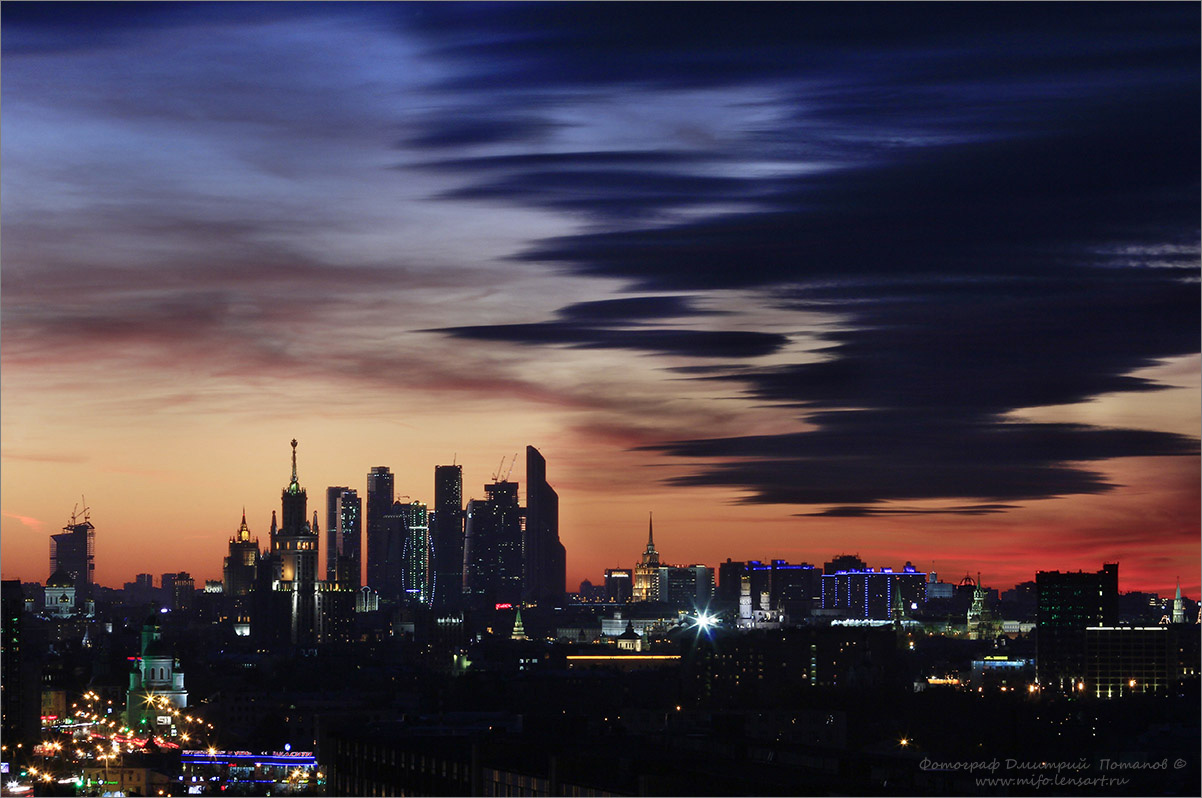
(1069, 604)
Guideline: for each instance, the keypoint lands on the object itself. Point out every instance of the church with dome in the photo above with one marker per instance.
(156, 685)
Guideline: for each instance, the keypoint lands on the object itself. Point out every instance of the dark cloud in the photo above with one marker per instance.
(996, 204)
(854, 511)
(610, 192)
(629, 309)
(667, 44)
(1051, 200)
(684, 343)
(482, 128)
(866, 459)
(936, 375)
(1012, 224)
(972, 350)
(572, 160)
(621, 324)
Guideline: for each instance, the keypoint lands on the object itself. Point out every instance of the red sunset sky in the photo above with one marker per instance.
(798, 285)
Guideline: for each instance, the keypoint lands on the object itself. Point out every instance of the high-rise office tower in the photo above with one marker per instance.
(343, 532)
(492, 548)
(688, 587)
(349, 510)
(379, 504)
(73, 551)
(416, 575)
(545, 568)
(392, 534)
(618, 582)
(446, 535)
(1069, 603)
(183, 591)
(21, 671)
(333, 542)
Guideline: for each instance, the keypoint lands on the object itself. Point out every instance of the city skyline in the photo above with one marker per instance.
(914, 282)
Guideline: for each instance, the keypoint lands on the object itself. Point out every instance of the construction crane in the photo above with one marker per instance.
(75, 511)
(511, 462)
(496, 475)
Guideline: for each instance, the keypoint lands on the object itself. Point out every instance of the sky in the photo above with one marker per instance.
(918, 282)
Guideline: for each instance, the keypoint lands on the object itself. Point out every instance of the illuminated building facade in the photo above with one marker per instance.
(183, 591)
(446, 537)
(1069, 603)
(1125, 660)
(646, 573)
(619, 583)
(390, 548)
(156, 685)
(873, 594)
(59, 596)
(416, 576)
(347, 534)
(294, 560)
(238, 570)
(779, 586)
(689, 587)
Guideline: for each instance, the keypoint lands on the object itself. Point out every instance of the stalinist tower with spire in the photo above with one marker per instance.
(294, 550)
(646, 573)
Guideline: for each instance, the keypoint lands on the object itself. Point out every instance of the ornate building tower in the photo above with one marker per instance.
(238, 573)
(646, 573)
(294, 549)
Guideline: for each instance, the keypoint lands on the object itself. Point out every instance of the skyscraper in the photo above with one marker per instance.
(617, 584)
(446, 534)
(390, 552)
(294, 549)
(545, 567)
(350, 538)
(73, 551)
(238, 573)
(379, 504)
(1069, 603)
(646, 573)
(333, 543)
(344, 524)
(492, 549)
(415, 557)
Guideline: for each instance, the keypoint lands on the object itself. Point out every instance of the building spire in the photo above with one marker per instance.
(294, 461)
(650, 555)
(243, 530)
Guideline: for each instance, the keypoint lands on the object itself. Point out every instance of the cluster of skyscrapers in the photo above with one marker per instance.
(446, 559)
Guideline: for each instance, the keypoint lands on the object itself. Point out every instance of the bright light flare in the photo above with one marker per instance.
(705, 621)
